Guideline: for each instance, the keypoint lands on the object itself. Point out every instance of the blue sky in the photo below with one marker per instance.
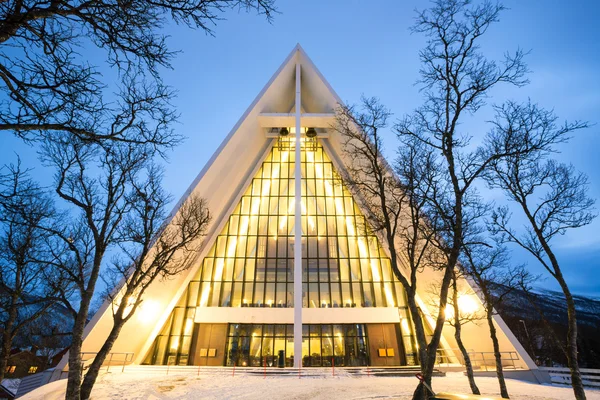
(366, 47)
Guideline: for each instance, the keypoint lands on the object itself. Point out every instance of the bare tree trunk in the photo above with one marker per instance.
(461, 346)
(428, 364)
(572, 360)
(420, 392)
(92, 373)
(497, 355)
(75, 363)
(576, 381)
(467, 358)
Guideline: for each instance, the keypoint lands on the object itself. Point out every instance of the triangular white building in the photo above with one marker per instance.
(242, 301)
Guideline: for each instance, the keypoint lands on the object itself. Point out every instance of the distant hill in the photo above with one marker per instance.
(524, 321)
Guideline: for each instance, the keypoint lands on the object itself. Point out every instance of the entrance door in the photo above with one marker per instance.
(385, 349)
(209, 346)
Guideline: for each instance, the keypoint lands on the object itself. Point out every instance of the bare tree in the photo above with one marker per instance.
(51, 89)
(119, 205)
(457, 315)
(396, 201)
(552, 197)
(95, 182)
(456, 79)
(488, 267)
(24, 295)
(152, 247)
(457, 318)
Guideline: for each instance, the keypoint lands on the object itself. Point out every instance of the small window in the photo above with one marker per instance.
(32, 369)
(10, 369)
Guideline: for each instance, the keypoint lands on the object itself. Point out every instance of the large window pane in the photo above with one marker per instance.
(251, 263)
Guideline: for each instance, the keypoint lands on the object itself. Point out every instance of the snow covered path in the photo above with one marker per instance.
(188, 386)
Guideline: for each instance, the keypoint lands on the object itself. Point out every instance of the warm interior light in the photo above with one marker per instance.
(232, 244)
(363, 248)
(404, 326)
(189, 325)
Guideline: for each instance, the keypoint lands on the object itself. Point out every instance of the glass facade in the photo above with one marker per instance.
(257, 345)
(250, 263)
(342, 345)
(172, 345)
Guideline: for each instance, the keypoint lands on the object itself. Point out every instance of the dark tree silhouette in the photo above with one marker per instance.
(153, 246)
(551, 195)
(457, 319)
(489, 268)
(115, 200)
(24, 295)
(397, 203)
(50, 89)
(456, 79)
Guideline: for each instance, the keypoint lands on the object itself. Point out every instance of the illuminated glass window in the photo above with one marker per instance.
(32, 370)
(251, 261)
(342, 345)
(344, 265)
(258, 345)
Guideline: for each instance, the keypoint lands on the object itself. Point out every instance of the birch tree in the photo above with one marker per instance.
(550, 195)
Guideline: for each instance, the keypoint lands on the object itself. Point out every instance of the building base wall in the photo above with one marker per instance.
(272, 345)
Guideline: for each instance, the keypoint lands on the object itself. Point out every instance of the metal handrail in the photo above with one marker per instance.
(487, 359)
(127, 359)
(444, 355)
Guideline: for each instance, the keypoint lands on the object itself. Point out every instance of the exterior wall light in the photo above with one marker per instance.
(148, 311)
(467, 304)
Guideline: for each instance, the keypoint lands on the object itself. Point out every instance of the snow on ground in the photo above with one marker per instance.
(189, 386)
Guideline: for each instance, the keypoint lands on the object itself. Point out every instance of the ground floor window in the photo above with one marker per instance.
(343, 345)
(257, 345)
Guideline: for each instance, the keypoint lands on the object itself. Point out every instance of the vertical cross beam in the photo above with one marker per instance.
(298, 232)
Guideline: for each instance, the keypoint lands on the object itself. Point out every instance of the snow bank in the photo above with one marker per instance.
(141, 386)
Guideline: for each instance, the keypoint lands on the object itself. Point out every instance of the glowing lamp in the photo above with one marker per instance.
(148, 311)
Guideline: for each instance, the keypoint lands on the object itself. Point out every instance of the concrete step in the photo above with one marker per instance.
(271, 371)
